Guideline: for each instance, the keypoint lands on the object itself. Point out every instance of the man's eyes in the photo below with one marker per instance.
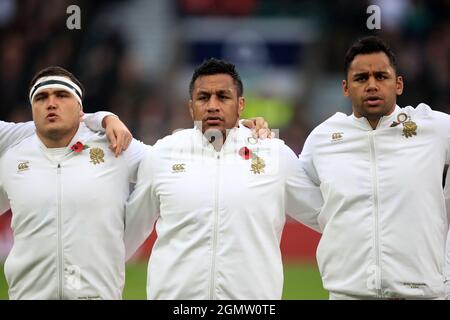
(207, 97)
(364, 78)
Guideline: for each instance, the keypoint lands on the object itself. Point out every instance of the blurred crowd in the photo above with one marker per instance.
(33, 35)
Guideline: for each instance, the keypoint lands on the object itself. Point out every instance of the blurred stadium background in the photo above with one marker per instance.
(135, 59)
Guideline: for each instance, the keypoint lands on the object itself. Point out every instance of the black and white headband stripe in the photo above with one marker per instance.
(56, 82)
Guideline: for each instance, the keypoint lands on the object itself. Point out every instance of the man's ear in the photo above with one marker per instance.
(191, 109)
(345, 88)
(241, 105)
(81, 110)
(399, 85)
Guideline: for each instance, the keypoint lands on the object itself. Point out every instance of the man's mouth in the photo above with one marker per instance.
(214, 121)
(373, 100)
(52, 116)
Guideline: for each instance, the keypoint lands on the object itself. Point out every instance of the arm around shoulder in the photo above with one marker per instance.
(303, 197)
(142, 208)
(94, 121)
(134, 155)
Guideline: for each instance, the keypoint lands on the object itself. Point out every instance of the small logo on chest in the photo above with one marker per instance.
(97, 155)
(178, 167)
(23, 166)
(337, 136)
(258, 165)
(409, 126)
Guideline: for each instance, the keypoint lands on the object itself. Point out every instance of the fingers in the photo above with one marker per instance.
(259, 128)
(262, 128)
(128, 137)
(119, 142)
(118, 150)
(115, 149)
(260, 123)
(249, 123)
(112, 139)
(263, 134)
(118, 135)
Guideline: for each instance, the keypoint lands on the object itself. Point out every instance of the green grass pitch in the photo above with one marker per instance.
(301, 281)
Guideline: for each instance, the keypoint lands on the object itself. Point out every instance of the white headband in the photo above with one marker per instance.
(56, 82)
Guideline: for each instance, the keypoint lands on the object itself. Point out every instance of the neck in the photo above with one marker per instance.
(373, 123)
(216, 137)
(375, 120)
(56, 140)
(51, 143)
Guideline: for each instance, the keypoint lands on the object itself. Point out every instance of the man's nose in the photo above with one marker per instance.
(213, 104)
(372, 84)
(52, 102)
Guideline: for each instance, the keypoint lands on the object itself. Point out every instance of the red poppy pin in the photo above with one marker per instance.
(245, 153)
(78, 147)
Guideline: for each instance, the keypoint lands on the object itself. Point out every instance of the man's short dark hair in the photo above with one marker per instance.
(367, 45)
(214, 66)
(55, 71)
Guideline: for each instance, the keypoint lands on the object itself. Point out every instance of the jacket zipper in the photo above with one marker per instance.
(376, 214)
(214, 244)
(59, 218)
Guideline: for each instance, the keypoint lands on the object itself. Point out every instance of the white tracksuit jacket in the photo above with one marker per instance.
(12, 133)
(219, 224)
(68, 219)
(383, 221)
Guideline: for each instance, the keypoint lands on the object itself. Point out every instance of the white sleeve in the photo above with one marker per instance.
(447, 249)
(307, 162)
(447, 266)
(303, 197)
(94, 120)
(142, 208)
(442, 121)
(447, 195)
(447, 132)
(11, 133)
(4, 201)
(134, 155)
